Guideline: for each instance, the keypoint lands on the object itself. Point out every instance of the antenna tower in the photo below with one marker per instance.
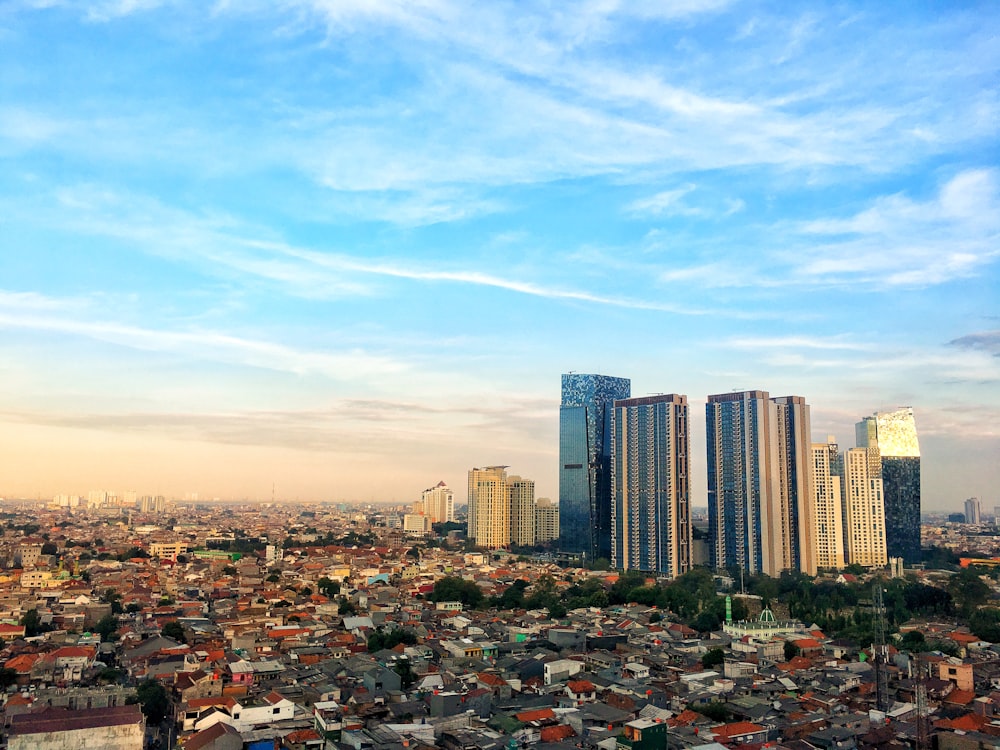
(880, 652)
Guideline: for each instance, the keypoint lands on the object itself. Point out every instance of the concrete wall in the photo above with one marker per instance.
(124, 737)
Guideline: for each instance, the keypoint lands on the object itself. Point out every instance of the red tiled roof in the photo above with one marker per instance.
(539, 714)
(967, 723)
(557, 733)
(581, 686)
(960, 697)
(736, 729)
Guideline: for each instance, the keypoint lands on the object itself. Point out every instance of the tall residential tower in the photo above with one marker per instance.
(651, 519)
(760, 486)
(585, 415)
(489, 507)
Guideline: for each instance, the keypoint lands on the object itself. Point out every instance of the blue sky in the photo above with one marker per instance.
(347, 248)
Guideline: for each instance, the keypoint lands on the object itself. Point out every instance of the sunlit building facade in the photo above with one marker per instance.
(894, 454)
(865, 522)
(585, 415)
(522, 511)
(793, 523)
(438, 503)
(828, 510)
(489, 507)
(546, 520)
(651, 518)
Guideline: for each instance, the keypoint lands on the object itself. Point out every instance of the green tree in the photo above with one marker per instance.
(913, 641)
(154, 700)
(8, 677)
(405, 671)
(713, 658)
(173, 629)
(382, 639)
(455, 589)
(107, 627)
(969, 591)
(346, 607)
(328, 587)
(791, 650)
(985, 623)
(715, 710)
(32, 622)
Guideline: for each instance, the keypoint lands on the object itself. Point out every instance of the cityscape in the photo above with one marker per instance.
(453, 375)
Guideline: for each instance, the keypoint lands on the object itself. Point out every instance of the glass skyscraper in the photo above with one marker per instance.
(894, 452)
(585, 415)
(650, 512)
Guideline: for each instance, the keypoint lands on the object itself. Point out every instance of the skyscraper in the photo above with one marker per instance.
(828, 510)
(973, 511)
(651, 520)
(546, 520)
(585, 461)
(760, 486)
(522, 511)
(794, 523)
(865, 522)
(439, 503)
(894, 454)
(741, 478)
(489, 507)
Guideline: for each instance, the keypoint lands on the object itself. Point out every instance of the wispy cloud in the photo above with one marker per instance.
(987, 341)
(833, 343)
(208, 345)
(898, 241)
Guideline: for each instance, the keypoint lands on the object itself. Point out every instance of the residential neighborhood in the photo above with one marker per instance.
(345, 632)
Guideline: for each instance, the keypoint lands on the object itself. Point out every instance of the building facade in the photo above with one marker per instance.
(585, 415)
(522, 511)
(489, 507)
(894, 455)
(439, 503)
(760, 486)
(741, 478)
(865, 522)
(546, 520)
(794, 524)
(828, 509)
(651, 519)
(973, 511)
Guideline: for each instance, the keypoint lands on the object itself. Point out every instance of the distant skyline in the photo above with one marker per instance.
(347, 248)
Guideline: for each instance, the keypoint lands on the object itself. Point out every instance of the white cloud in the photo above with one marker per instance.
(901, 242)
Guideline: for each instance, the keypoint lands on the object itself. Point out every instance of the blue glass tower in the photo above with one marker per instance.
(585, 417)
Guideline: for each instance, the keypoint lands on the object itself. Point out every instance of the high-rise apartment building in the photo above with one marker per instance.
(522, 511)
(546, 520)
(650, 516)
(794, 524)
(894, 455)
(585, 461)
(973, 511)
(828, 510)
(759, 482)
(741, 479)
(438, 503)
(489, 507)
(865, 522)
